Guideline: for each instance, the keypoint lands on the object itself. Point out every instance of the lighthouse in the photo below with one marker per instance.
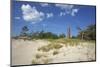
(68, 32)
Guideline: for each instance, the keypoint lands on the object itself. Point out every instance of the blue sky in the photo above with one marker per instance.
(50, 17)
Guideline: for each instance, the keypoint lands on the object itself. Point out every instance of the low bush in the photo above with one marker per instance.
(55, 52)
(50, 47)
(34, 61)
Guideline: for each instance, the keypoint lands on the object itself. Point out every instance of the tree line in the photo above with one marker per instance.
(40, 35)
(89, 33)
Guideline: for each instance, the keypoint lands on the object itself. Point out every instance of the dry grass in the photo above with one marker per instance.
(55, 45)
(34, 61)
(50, 47)
(40, 59)
(55, 52)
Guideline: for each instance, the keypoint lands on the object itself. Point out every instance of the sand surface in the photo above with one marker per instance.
(23, 52)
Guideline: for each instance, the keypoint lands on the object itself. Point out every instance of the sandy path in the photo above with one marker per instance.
(23, 51)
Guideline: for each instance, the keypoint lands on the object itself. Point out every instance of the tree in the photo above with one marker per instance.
(81, 35)
(89, 33)
(46, 35)
(61, 35)
(74, 37)
(43, 35)
(24, 31)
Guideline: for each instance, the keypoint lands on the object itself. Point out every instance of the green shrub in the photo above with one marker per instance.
(57, 46)
(38, 56)
(55, 52)
(44, 48)
(50, 47)
(34, 61)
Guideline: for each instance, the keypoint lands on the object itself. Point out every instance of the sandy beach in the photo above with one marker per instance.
(24, 52)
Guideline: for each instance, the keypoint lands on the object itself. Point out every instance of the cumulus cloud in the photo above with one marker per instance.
(74, 11)
(31, 14)
(49, 15)
(62, 13)
(68, 9)
(44, 4)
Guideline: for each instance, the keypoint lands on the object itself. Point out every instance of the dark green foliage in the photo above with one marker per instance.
(39, 35)
(89, 33)
(74, 37)
(44, 35)
(62, 36)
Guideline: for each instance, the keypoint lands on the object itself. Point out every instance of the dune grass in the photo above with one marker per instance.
(56, 43)
(55, 52)
(70, 42)
(50, 47)
(34, 61)
(40, 59)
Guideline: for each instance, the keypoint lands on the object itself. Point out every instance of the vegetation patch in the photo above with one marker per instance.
(55, 52)
(50, 47)
(38, 56)
(44, 48)
(46, 60)
(41, 60)
(34, 61)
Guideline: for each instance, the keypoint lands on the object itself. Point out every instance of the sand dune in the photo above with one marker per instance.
(23, 52)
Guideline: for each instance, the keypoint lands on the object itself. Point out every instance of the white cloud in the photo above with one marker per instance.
(44, 4)
(62, 13)
(74, 11)
(17, 18)
(65, 7)
(31, 14)
(49, 15)
(68, 9)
